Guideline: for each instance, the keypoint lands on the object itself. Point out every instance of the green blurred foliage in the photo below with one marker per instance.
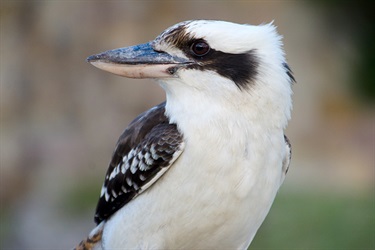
(81, 199)
(354, 20)
(317, 220)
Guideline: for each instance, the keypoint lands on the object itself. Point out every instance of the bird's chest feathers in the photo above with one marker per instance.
(233, 152)
(230, 169)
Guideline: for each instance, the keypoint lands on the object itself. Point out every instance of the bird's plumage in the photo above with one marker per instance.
(144, 152)
(210, 160)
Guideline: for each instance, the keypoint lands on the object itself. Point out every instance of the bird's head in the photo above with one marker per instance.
(216, 59)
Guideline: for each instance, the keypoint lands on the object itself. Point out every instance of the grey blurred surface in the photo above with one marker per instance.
(60, 117)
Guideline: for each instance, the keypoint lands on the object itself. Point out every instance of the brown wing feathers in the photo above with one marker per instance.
(148, 145)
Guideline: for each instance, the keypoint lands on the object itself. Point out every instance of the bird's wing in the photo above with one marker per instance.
(288, 155)
(144, 152)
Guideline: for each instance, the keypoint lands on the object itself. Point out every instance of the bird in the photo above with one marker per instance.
(202, 169)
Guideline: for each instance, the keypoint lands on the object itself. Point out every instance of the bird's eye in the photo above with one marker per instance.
(200, 48)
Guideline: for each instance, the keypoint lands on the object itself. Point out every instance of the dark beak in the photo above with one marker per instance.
(139, 61)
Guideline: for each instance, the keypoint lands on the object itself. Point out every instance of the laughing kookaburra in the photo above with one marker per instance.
(201, 170)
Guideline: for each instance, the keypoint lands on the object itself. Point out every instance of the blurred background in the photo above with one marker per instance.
(61, 117)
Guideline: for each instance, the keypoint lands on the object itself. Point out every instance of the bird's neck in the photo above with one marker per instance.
(193, 110)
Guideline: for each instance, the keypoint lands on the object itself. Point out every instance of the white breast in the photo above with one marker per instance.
(215, 196)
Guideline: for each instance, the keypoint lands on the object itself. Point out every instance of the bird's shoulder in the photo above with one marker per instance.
(144, 152)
